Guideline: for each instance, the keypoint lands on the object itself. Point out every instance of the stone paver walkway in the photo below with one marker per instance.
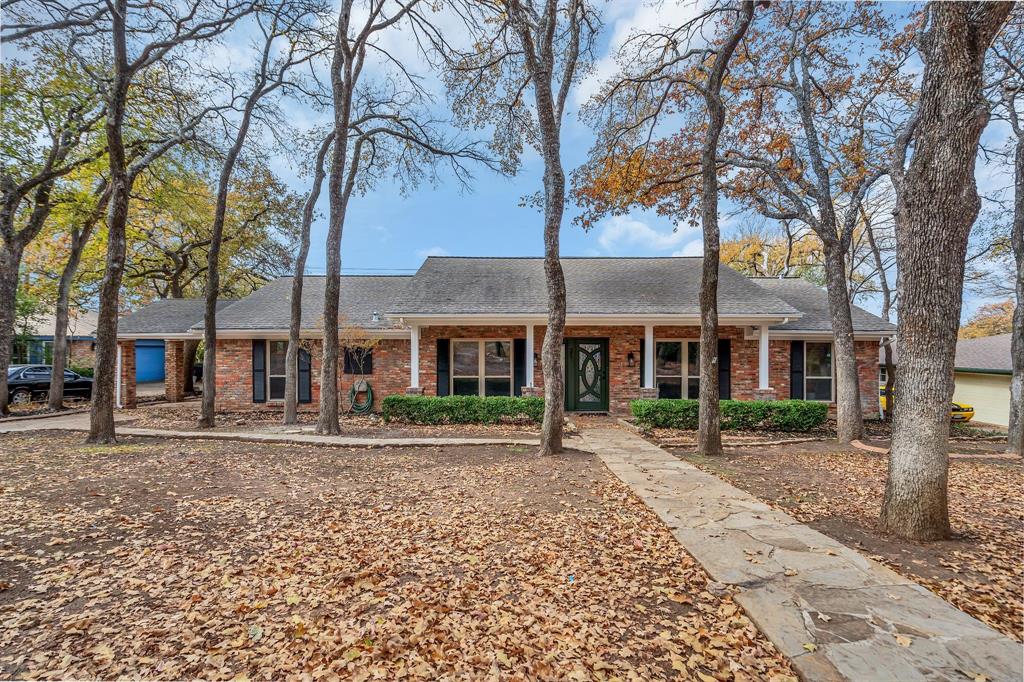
(80, 422)
(837, 614)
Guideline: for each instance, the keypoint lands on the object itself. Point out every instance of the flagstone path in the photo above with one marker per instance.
(837, 614)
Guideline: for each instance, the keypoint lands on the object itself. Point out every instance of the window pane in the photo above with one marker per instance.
(693, 389)
(819, 389)
(465, 386)
(693, 359)
(497, 387)
(670, 358)
(277, 388)
(278, 351)
(819, 359)
(466, 356)
(497, 358)
(670, 388)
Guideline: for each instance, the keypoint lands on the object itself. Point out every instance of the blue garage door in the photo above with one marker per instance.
(149, 360)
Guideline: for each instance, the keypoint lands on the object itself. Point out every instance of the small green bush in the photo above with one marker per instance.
(769, 415)
(82, 371)
(460, 409)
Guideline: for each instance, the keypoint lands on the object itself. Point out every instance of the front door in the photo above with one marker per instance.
(586, 375)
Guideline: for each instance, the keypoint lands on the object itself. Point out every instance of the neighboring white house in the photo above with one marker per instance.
(983, 370)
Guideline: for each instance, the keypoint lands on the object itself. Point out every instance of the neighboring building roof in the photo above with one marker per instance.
(594, 286)
(167, 316)
(270, 306)
(988, 353)
(81, 324)
(812, 301)
(985, 354)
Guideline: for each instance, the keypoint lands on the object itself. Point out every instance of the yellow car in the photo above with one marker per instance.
(959, 412)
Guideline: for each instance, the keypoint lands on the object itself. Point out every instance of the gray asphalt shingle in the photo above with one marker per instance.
(594, 286)
(812, 301)
(270, 306)
(167, 316)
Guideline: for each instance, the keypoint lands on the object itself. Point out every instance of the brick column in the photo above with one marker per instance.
(128, 397)
(174, 371)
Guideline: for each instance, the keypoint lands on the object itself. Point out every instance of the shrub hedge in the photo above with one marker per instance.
(460, 409)
(82, 371)
(770, 415)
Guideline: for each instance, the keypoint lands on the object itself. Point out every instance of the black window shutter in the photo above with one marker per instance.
(305, 387)
(443, 373)
(643, 343)
(724, 367)
(518, 366)
(796, 370)
(259, 371)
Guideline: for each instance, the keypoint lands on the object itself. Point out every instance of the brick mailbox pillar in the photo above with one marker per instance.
(128, 397)
(174, 371)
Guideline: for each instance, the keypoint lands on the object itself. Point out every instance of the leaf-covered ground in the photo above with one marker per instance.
(174, 559)
(981, 570)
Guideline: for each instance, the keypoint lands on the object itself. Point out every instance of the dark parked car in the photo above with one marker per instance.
(26, 383)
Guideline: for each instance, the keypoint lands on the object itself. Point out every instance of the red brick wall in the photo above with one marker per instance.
(81, 354)
(128, 400)
(174, 370)
(391, 363)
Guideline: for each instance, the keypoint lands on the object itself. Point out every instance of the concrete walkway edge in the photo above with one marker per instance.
(835, 613)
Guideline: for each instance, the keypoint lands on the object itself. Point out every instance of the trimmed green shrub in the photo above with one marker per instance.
(769, 415)
(82, 371)
(460, 409)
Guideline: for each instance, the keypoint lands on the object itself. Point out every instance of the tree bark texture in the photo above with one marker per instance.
(1015, 438)
(709, 429)
(936, 205)
(10, 261)
(101, 415)
(291, 383)
(343, 76)
(849, 413)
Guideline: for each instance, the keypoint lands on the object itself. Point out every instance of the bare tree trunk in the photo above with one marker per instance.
(849, 413)
(1015, 439)
(10, 260)
(79, 238)
(291, 384)
(937, 203)
(343, 74)
(709, 431)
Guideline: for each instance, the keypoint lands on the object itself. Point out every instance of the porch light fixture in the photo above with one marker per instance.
(630, 359)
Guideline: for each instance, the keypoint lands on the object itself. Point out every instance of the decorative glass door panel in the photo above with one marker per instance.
(587, 375)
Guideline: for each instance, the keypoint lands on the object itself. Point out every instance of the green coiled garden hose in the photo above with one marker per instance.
(360, 386)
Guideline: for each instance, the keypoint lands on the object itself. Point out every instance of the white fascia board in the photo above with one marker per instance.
(305, 334)
(130, 336)
(480, 319)
(796, 335)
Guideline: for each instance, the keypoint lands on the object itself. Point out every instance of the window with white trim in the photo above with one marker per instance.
(818, 381)
(277, 352)
(481, 367)
(677, 364)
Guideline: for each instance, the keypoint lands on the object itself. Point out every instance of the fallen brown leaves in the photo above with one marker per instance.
(980, 571)
(173, 559)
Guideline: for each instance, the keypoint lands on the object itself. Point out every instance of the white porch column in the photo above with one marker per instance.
(762, 347)
(529, 355)
(649, 356)
(414, 357)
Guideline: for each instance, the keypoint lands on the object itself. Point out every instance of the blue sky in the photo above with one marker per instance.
(389, 232)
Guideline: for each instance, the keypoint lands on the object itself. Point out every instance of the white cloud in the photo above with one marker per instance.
(432, 251)
(620, 234)
(694, 248)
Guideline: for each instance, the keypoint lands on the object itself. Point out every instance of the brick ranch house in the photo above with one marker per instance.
(474, 326)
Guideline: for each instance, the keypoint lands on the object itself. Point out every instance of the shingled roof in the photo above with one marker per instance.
(270, 306)
(446, 285)
(167, 316)
(812, 301)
